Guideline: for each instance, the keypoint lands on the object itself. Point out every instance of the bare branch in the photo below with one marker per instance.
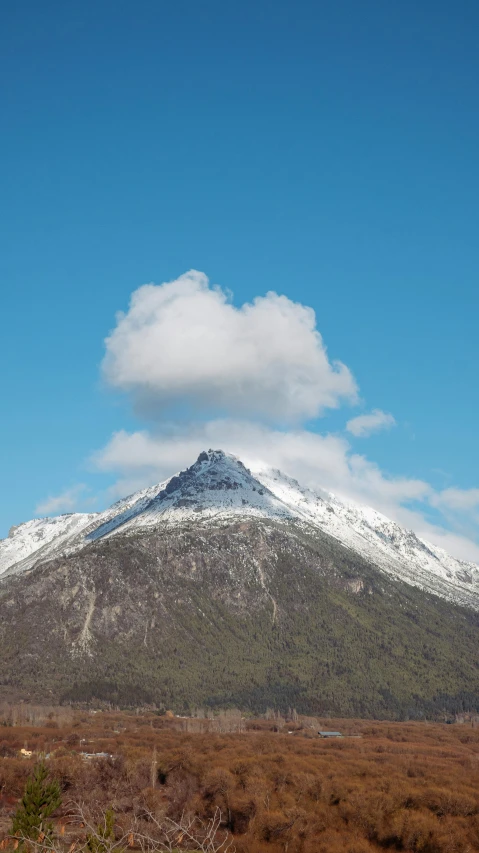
(188, 833)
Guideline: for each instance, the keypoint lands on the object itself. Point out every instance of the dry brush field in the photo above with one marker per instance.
(396, 786)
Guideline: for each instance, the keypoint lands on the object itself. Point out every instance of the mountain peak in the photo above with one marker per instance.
(218, 488)
(221, 470)
(214, 456)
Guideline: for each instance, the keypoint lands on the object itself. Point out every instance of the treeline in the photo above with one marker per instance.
(23, 714)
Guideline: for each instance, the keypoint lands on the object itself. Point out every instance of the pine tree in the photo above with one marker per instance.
(39, 801)
(101, 841)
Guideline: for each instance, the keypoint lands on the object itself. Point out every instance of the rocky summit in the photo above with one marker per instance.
(223, 586)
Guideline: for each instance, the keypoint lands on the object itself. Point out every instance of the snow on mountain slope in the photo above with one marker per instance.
(397, 551)
(45, 538)
(40, 538)
(218, 487)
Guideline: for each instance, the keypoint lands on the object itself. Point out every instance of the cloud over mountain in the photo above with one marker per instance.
(316, 460)
(184, 341)
(458, 499)
(364, 425)
(319, 461)
(67, 501)
(248, 379)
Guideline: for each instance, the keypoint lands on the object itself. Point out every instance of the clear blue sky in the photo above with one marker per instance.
(328, 151)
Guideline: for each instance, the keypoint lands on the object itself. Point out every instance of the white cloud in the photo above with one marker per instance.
(460, 507)
(67, 501)
(457, 499)
(184, 341)
(364, 425)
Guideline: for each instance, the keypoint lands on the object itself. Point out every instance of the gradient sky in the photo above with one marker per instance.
(325, 151)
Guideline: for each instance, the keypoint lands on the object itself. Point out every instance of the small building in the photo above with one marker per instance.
(330, 734)
(89, 756)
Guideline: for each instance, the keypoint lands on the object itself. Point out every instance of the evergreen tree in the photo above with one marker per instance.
(102, 840)
(39, 801)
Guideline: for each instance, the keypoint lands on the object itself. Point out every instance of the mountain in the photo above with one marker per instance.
(225, 586)
(218, 488)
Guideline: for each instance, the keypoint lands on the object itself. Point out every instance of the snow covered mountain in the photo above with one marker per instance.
(224, 587)
(217, 488)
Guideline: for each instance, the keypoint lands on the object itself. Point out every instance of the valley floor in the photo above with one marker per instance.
(277, 785)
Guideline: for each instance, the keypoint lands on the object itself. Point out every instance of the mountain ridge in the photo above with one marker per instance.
(217, 487)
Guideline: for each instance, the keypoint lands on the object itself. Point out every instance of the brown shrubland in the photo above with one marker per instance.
(393, 786)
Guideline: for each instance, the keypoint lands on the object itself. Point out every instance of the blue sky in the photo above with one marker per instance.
(324, 151)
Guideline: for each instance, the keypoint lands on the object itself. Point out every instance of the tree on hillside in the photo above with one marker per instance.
(41, 798)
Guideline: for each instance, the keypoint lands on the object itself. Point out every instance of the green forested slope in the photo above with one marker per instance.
(250, 615)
